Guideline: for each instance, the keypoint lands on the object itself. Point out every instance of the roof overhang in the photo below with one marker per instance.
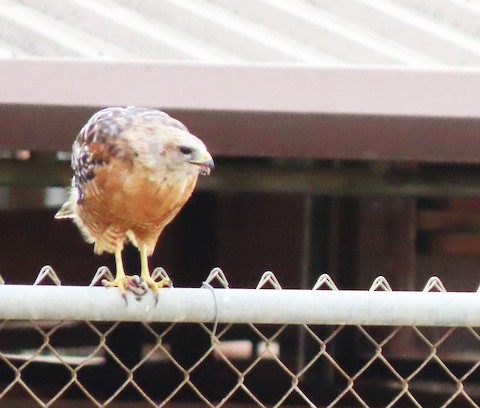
(427, 115)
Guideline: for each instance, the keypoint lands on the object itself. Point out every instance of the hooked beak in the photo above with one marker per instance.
(205, 163)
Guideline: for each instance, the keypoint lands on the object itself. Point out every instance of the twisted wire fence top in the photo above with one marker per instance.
(216, 301)
(218, 346)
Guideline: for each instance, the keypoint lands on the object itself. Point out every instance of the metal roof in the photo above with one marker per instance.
(244, 87)
(320, 32)
(255, 110)
(334, 79)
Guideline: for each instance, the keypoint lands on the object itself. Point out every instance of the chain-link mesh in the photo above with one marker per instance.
(90, 363)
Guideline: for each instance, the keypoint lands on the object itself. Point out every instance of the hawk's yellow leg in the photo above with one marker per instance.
(145, 273)
(121, 280)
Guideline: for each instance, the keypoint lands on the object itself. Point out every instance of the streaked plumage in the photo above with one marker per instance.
(134, 169)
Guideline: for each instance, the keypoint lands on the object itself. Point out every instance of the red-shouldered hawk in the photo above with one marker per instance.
(134, 169)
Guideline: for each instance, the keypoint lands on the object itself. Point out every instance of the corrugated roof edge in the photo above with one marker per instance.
(386, 91)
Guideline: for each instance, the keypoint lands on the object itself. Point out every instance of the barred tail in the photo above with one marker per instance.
(66, 211)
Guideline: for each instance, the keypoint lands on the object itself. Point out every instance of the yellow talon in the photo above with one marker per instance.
(145, 275)
(121, 283)
(156, 285)
(135, 283)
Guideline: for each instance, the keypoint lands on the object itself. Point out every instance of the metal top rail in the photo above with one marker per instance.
(377, 306)
(243, 306)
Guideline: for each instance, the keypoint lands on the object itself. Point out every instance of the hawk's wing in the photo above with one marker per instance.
(102, 140)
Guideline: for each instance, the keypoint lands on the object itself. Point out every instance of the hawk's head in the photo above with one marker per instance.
(164, 144)
(184, 152)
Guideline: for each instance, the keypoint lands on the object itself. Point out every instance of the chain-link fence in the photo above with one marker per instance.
(237, 347)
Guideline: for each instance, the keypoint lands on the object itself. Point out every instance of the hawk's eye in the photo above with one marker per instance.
(185, 150)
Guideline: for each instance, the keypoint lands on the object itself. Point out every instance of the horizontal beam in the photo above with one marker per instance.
(265, 134)
(247, 110)
(351, 181)
(385, 91)
(249, 178)
(264, 306)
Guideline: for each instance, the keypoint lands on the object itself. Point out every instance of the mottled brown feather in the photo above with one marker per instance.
(130, 180)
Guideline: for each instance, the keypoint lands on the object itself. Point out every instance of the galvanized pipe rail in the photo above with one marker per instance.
(286, 306)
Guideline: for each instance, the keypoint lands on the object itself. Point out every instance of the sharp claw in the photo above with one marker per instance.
(156, 285)
(137, 285)
(134, 284)
(122, 285)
